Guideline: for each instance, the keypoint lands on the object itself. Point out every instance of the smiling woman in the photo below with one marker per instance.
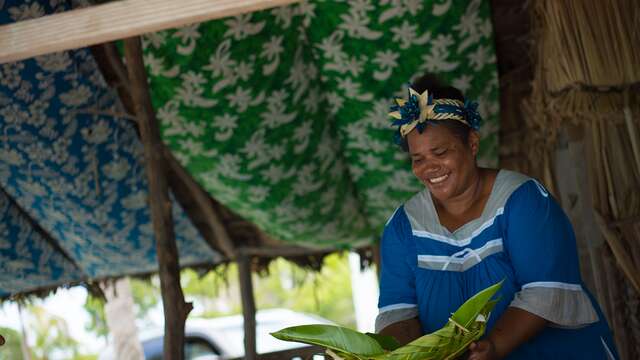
(472, 227)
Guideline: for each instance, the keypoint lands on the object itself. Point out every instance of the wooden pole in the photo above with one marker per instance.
(282, 250)
(377, 260)
(175, 309)
(195, 201)
(200, 207)
(248, 307)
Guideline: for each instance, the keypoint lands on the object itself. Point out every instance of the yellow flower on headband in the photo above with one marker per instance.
(416, 109)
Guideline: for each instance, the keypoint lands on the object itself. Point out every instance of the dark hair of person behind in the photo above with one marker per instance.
(441, 91)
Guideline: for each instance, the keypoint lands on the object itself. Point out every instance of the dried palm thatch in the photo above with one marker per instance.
(592, 43)
(587, 75)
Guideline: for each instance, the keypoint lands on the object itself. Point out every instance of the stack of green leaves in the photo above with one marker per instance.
(465, 326)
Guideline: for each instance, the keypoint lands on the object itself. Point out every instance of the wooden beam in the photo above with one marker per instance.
(113, 21)
(175, 309)
(186, 189)
(283, 250)
(114, 72)
(248, 307)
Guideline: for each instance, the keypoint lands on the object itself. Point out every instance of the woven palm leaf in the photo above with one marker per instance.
(466, 325)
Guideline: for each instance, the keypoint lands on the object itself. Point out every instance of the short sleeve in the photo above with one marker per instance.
(541, 246)
(397, 300)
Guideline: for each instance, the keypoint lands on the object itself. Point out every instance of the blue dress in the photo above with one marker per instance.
(523, 237)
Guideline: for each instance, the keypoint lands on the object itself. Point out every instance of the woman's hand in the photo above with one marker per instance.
(404, 331)
(482, 350)
(513, 328)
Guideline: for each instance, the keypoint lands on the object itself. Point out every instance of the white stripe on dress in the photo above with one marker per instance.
(606, 348)
(469, 257)
(463, 242)
(396, 307)
(553, 284)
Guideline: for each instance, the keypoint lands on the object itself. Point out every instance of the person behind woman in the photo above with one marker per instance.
(472, 227)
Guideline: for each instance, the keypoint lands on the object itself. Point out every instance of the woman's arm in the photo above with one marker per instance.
(514, 327)
(404, 331)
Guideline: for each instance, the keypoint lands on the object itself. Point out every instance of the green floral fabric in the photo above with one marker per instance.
(282, 114)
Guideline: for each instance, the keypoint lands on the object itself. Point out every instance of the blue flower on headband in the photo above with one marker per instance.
(472, 115)
(409, 111)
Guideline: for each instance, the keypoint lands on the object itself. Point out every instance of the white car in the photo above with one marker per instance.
(223, 337)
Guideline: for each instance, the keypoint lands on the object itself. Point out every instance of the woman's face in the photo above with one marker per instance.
(443, 163)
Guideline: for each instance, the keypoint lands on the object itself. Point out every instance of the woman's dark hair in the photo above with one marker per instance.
(440, 91)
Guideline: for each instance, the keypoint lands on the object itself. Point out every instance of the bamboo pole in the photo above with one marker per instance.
(248, 307)
(175, 309)
(113, 21)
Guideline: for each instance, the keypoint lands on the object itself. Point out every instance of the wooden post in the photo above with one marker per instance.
(248, 307)
(175, 309)
(377, 260)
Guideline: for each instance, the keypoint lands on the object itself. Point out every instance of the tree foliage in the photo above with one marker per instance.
(50, 337)
(326, 293)
(11, 349)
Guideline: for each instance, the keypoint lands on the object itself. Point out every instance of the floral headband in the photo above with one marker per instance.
(418, 109)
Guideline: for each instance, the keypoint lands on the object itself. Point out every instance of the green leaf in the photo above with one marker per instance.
(449, 342)
(388, 343)
(468, 312)
(333, 337)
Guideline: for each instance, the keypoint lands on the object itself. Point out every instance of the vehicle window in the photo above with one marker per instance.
(197, 348)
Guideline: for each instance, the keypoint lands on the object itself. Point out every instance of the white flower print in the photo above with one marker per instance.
(54, 62)
(335, 102)
(117, 169)
(188, 36)
(98, 133)
(240, 100)
(241, 26)
(76, 96)
(244, 70)
(225, 124)
(387, 61)
(271, 50)
(480, 57)
(11, 74)
(283, 15)
(26, 11)
(355, 25)
(463, 82)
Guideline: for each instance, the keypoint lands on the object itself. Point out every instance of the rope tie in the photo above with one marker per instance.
(461, 254)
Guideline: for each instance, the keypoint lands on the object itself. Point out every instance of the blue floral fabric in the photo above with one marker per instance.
(70, 164)
(27, 260)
